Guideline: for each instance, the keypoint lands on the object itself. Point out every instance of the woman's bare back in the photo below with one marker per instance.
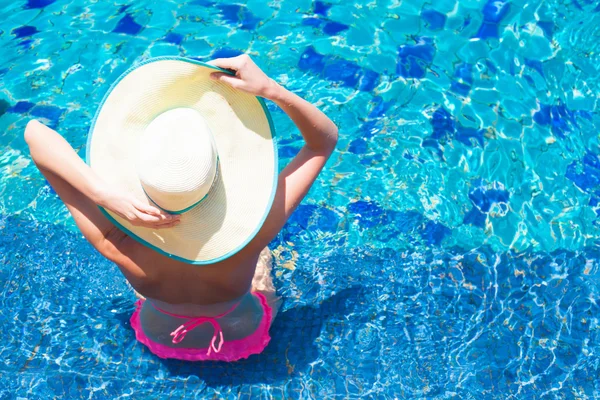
(176, 282)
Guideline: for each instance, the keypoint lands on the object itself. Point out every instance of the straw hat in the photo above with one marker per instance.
(171, 136)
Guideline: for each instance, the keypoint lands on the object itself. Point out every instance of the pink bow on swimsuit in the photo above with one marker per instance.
(192, 322)
(179, 333)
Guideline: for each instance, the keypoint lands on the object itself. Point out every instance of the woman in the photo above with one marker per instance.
(192, 312)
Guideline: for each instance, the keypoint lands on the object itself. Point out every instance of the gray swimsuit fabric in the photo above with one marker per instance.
(238, 324)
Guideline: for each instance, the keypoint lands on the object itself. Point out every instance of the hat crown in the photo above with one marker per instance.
(177, 161)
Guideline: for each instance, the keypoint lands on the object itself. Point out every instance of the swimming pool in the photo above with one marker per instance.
(449, 250)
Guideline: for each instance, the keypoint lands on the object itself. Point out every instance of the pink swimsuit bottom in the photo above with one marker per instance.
(219, 349)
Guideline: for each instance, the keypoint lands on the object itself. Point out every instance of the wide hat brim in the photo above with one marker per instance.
(237, 205)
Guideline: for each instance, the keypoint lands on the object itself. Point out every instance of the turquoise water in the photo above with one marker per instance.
(449, 250)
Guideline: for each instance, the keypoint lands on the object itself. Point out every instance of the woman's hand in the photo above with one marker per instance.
(137, 212)
(248, 77)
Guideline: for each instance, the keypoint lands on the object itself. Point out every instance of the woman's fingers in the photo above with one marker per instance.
(227, 63)
(150, 210)
(164, 224)
(232, 81)
(152, 221)
(154, 215)
(147, 217)
(155, 219)
(169, 224)
(140, 214)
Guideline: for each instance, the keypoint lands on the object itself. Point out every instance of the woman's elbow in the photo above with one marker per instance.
(334, 135)
(333, 138)
(32, 132)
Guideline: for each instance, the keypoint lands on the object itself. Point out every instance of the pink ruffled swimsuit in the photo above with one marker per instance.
(219, 349)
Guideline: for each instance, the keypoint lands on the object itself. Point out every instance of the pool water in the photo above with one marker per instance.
(450, 249)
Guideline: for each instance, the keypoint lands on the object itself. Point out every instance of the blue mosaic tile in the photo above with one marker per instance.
(475, 217)
(312, 61)
(174, 38)
(339, 70)
(434, 233)
(312, 21)
(487, 31)
(26, 44)
(391, 223)
(464, 71)
(225, 52)
(326, 219)
(411, 157)
(543, 116)
(303, 215)
(380, 107)
(333, 28)
(204, 3)
(512, 68)
(369, 129)
(368, 80)
(435, 145)
(127, 25)
(413, 60)
(373, 124)
(50, 113)
(443, 124)
(561, 119)
(288, 151)
(329, 28)
(495, 10)
(434, 20)
(466, 22)
(358, 146)
(4, 105)
(493, 13)
(368, 213)
(466, 134)
(239, 15)
(535, 64)
(321, 8)
(490, 66)
(460, 88)
(45, 111)
(38, 3)
(588, 176)
(343, 71)
(21, 107)
(24, 31)
(484, 197)
(529, 80)
(445, 128)
(595, 201)
(547, 27)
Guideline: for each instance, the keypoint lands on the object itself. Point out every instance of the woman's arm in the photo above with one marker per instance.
(318, 131)
(52, 153)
